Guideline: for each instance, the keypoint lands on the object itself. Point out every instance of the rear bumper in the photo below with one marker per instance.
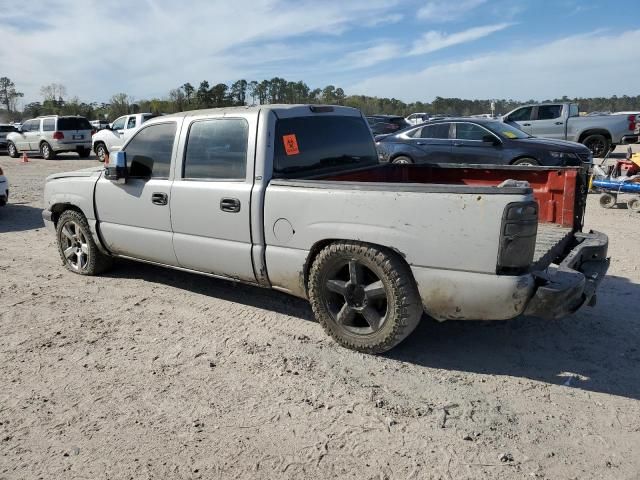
(573, 283)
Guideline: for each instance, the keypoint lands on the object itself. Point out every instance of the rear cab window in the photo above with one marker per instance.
(313, 145)
(549, 112)
(73, 123)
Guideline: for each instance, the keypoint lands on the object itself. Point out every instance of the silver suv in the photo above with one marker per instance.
(50, 135)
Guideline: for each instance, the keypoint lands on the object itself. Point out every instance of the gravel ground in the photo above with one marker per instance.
(152, 373)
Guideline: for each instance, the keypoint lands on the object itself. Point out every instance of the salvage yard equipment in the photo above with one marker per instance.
(623, 177)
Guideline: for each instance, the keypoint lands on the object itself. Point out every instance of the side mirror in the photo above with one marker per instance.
(116, 169)
(491, 139)
(19, 129)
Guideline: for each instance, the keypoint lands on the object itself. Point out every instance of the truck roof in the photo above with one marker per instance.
(282, 110)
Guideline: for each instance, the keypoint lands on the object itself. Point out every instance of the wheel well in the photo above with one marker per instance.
(319, 246)
(59, 208)
(396, 155)
(521, 157)
(594, 131)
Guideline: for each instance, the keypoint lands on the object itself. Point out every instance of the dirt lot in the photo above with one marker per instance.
(152, 373)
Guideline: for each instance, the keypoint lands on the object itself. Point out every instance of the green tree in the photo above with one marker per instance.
(9, 94)
(188, 92)
(239, 92)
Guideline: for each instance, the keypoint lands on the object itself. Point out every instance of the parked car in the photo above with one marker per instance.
(117, 133)
(296, 201)
(562, 121)
(477, 141)
(99, 124)
(4, 189)
(50, 135)
(417, 118)
(5, 129)
(383, 124)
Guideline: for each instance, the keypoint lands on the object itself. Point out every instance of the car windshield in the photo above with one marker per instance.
(506, 131)
(73, 123)
(312, 145)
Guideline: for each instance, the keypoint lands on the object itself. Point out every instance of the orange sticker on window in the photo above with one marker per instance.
(290, 144)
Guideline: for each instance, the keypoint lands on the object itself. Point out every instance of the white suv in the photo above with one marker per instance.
(51, 135)
(114, 136)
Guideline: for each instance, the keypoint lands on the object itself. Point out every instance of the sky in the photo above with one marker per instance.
(412, 50)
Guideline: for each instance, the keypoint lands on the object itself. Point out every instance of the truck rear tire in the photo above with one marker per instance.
(76, 247)
(364, 296)
(598, 144)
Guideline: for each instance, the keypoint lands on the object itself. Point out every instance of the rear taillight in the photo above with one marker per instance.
(517, 237)
(58, 135)
(632, 122)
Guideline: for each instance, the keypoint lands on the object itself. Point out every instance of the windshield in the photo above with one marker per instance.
(505, 130)
(313, 145)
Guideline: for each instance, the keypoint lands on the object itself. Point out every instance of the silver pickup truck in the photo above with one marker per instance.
(293, 198)
(562, 121)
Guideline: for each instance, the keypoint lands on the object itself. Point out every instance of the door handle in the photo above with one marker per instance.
(230, 205)
(420, 143)
(159, 198)
(558, 123)
(458, 145)
(526, 124)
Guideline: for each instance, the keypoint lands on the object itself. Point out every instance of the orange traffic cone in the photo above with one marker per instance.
(25, 159)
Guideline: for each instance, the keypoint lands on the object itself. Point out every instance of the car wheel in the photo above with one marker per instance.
(402, 160)
(598, 144)
(364, 297)
(12, 150)
(47, 152)
(78, 251)
(101, 152)
(84, 152)
(527, 162)
(633, 204)
(608, 200)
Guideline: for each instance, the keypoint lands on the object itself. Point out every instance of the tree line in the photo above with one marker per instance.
(56, 101)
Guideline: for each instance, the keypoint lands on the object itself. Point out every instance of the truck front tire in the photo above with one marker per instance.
(76, 247)
(364, 296)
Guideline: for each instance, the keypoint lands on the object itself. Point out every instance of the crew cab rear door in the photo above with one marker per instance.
(134, 217)
(210, 197)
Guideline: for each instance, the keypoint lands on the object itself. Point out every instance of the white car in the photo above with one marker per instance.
(117, 133)
(4, 189)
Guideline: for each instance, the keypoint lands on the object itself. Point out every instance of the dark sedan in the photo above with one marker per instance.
(384, 124)
(477, 141)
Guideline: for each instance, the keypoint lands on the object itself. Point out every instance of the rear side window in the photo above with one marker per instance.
(313, 145)
(217, 149)
(438, 131)
(48, 124)
(549, 112)
(73, 123)
(149, 152)
(573, 110)
(131, 123)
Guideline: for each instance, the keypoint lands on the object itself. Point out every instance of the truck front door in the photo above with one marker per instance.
(134, 218)
(548, 122)
(210, 197)
(521, 117)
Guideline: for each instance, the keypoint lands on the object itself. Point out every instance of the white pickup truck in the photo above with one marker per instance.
(114, 136)
(293, 198)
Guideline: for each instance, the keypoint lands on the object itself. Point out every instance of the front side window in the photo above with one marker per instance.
(131, 123)
(31, 126)
(149, 152)
(470, 131)
(48, 124)
(437, 131)
(521, 114)
(549, 112)
(217, 149)
(118, 124)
